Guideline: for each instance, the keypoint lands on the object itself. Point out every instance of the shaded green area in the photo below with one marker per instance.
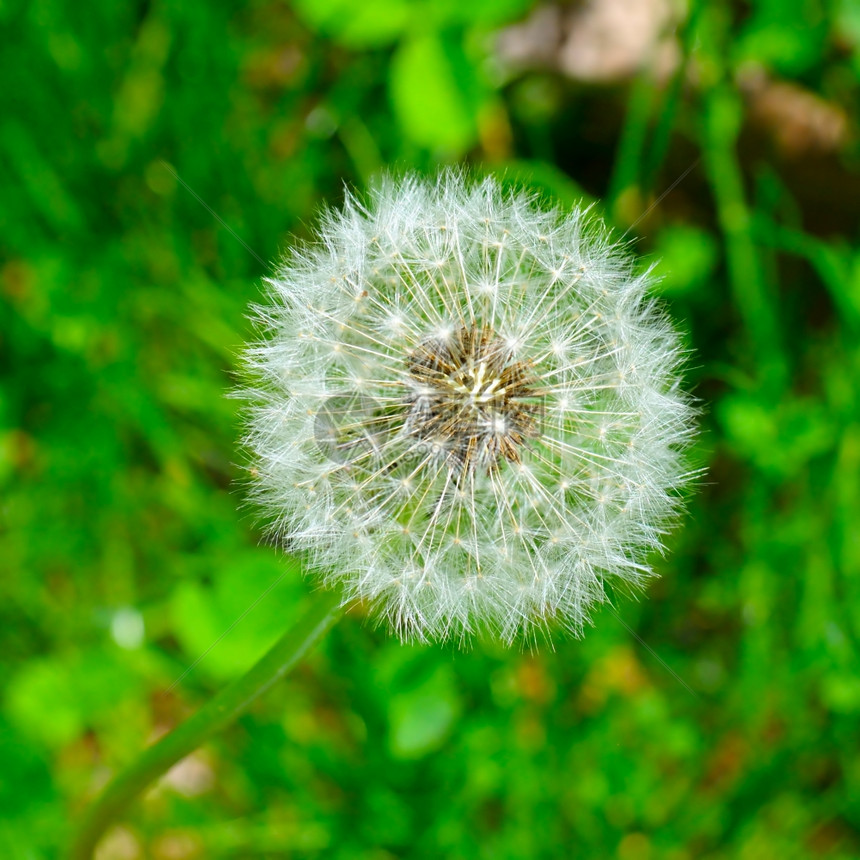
(125, 549)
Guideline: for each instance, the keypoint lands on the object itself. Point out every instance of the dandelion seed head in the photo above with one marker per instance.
(466, 410)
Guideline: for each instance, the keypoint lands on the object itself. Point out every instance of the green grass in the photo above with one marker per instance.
(125, 548)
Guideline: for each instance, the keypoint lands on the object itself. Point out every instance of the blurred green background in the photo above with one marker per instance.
(125, 549)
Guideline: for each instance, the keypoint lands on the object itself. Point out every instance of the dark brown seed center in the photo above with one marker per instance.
(471, 399)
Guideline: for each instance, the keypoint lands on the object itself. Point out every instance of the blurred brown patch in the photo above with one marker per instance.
(798, 121)
(178, 845)
(617, 672)
(120, 843)
(827, 837)
(596, 42)
(274, 67)
(16, 280)
(725, 763)
(192, 775)
(533, 682)
(635, 846)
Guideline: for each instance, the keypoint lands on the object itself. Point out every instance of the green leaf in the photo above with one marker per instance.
(53, 700)
(772, 36)
(688, 256)
(841, 693)
(41, 701)
(847, 18)
(24, 765)
(445, 13)
(778, 443)
(227, 626)
(371, 23)
(540, 177)
(421, 718)
(431, 84)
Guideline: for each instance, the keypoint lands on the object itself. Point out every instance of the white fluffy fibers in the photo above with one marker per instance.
(465, 410)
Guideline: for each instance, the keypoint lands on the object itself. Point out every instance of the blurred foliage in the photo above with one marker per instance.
(127, 556)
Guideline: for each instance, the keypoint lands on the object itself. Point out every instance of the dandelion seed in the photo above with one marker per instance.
(467, 410)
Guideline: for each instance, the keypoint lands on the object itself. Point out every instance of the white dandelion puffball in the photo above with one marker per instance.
(466, 410)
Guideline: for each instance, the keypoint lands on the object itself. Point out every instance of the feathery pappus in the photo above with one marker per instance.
(466, 409)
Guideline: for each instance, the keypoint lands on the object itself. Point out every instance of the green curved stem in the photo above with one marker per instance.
(215, 715)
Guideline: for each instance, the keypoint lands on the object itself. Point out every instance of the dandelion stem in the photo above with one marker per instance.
(218, 713)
